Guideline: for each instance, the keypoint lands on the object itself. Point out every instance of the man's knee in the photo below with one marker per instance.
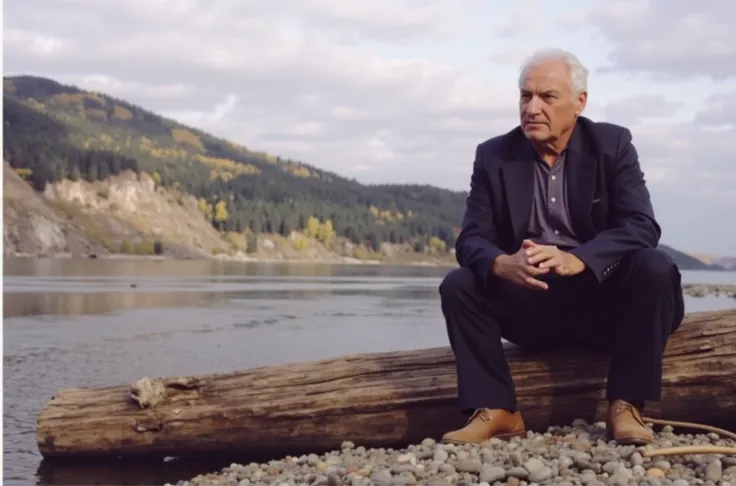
(656, 271)
(652, 266)
(459, 281)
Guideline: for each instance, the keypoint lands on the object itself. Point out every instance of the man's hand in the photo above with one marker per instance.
(515, 268)
(550, 257)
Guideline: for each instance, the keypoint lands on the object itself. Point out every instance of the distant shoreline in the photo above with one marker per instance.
(690, 289)
(703, 290)
(238, 259)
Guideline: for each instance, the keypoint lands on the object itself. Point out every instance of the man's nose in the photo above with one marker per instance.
(534, 105)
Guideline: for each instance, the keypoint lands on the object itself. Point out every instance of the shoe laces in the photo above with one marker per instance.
(483, 413)
(624, 406)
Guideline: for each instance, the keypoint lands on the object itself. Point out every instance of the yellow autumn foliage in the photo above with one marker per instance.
(95, 113)
(164, 152)
(226, 169)
(182, 135)
(437, 244)
(205, 208)
(325, 232)
(24, 173)
(312, 228)
(385, 214)
(35, 104)
(298, 171)
(122, 113)
(221, 213)
(76, 99)
(321, 230)
(300, 242)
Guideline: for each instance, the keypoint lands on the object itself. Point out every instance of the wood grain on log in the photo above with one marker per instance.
(386, 399)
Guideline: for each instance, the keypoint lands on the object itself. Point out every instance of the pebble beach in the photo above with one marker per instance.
(578, 454)
(563, 456)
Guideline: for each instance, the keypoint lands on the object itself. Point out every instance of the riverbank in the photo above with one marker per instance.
(319, 255)
(576, 454)
(242, 257)
(690, 289)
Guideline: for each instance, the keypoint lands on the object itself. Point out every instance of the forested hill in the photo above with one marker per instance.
(57, 131)
(53, 132)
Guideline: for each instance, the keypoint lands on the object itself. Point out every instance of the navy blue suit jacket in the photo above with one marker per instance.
(610, 206)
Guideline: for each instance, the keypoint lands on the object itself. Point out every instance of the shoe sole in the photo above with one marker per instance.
(632, 441)
(638, 441)
(509, 435)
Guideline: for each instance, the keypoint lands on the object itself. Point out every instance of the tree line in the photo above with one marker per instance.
(40, 144)
(238, 189)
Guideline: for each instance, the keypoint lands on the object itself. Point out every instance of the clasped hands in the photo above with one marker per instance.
(533, 260)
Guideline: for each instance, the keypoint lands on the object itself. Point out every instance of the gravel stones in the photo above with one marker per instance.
(714, 471)
(469, 465)
(562, 456)
(490, 474)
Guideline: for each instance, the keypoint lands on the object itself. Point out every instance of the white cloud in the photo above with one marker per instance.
(631, 110)
(295, 83)
(35, 44)
(690, 158)
(526, 19)
(106, 84)
(666, 39)
(719, 111)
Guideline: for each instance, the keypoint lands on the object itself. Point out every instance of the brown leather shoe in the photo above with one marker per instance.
(625, 425)
(485, 424)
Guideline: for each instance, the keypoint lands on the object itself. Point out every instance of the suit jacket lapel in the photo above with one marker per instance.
(581, 176)
(518, 180)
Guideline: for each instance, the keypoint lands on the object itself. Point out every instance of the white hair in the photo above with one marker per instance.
(578, 72)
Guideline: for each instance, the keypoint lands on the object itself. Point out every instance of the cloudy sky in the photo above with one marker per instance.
(403, 90)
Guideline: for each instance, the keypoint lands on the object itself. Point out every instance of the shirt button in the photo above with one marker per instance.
(553, 199)
(557, 232)
(554, 177)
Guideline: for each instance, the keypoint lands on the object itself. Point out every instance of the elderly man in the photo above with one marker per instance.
(558, 246)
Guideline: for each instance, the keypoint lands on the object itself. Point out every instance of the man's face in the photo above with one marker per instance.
(547, 107)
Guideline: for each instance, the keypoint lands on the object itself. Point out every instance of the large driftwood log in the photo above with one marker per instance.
(384, 400)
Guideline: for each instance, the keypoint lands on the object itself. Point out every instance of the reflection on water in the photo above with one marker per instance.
(107, 322)
(91, 268)
(127, 473)
(39, 303)
(71, 287)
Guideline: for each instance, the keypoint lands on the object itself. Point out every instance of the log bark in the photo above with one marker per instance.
(388, 399)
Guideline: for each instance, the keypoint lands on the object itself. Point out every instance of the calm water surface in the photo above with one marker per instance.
(75, 323)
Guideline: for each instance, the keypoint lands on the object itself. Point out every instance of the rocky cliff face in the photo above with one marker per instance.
(129, 214)
(30, 224)
(126, 213)
(127, 192)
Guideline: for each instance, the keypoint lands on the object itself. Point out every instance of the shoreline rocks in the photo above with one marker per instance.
(564, 456)
(717, 290)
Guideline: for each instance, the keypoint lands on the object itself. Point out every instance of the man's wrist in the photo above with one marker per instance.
(497, 263)
(577, 263)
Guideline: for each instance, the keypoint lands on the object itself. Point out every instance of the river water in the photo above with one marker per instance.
(78, 323)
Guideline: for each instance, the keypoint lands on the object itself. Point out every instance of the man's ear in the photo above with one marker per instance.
(581, 102)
